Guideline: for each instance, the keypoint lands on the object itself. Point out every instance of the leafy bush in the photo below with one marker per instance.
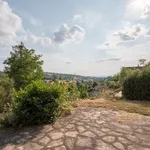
(6, 96)
(114, 84)
(83, 93)
(83, 89)
(73, 92)
(137, 85)
(39, 103)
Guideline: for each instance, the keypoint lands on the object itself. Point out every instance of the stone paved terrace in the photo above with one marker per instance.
(84, 129)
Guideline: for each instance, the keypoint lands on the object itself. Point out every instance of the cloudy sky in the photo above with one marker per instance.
(84, 37)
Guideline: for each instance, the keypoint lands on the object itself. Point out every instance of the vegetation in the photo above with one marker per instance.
(83, 89)
(6, 93)
(39, 103)
(141, 107)
(68, 77)
(142, 62)
(73, 91)
(26, 98)
(32, 100)
(137, 85)
(23, 66)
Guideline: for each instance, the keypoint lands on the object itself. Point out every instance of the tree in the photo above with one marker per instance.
(142, 62)
(23, 66)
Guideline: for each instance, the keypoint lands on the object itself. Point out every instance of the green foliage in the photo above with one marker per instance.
(83, 89)
(137, 85)
(142, 62)
(114, 84)
(125, 73)
(73, 92)
(6, 96)
(69, 77)
(95, 84)
(40, 103)
(23, 66)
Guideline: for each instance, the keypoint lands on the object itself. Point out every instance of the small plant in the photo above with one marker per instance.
(83, 89)
(73, 92)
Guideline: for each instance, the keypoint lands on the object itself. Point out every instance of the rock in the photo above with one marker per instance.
(55, 143)
(109, 138)
(40, 135)
(88, 134)
(119, 145)
(56, 135)
(103, 146)
(84, 142)
(32, 146)
(69, 142)
(71, 133)
(9, 147)
(118, 95)
(123, 140)
(80, 128)
(45, 140)
(61, 148)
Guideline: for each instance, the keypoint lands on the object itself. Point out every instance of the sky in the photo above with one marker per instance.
(92, 38)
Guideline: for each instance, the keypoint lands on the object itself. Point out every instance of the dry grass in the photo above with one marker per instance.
(129, 106)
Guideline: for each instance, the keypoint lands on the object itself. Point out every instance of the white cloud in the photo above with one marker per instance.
(65, 34)
(108, 59)
(12, 31)
(129, 44)
(104, 45)
(10, 24)
(87, 19)
(148, 32)
(146, 12)
(129, 33)
(40, 39)
(136, 8)
(68, 62)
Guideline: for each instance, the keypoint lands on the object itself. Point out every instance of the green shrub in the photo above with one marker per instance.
(137, 85)
(83, 93)
(6, 96)
(73, 92)
(114, 84)
(39, 103)
(83, 89)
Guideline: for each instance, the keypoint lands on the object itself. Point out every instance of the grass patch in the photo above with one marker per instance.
(129, 106)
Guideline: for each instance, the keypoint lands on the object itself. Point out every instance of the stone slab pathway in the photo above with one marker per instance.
(84, 129)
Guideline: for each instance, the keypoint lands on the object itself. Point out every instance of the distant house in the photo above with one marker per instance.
(135, 67)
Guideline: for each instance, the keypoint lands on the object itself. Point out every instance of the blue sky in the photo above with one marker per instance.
(80, 37)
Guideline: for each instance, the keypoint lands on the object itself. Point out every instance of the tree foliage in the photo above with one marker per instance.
(23, 66)
(6, 96)
(142, 62)
(137, 85)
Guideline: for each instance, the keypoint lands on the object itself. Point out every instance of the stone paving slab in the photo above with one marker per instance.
(84, 129)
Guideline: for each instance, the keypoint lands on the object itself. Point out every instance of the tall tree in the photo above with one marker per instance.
(23, 66)
(142, 62)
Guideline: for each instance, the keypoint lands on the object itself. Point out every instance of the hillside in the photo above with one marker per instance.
(61, 76)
